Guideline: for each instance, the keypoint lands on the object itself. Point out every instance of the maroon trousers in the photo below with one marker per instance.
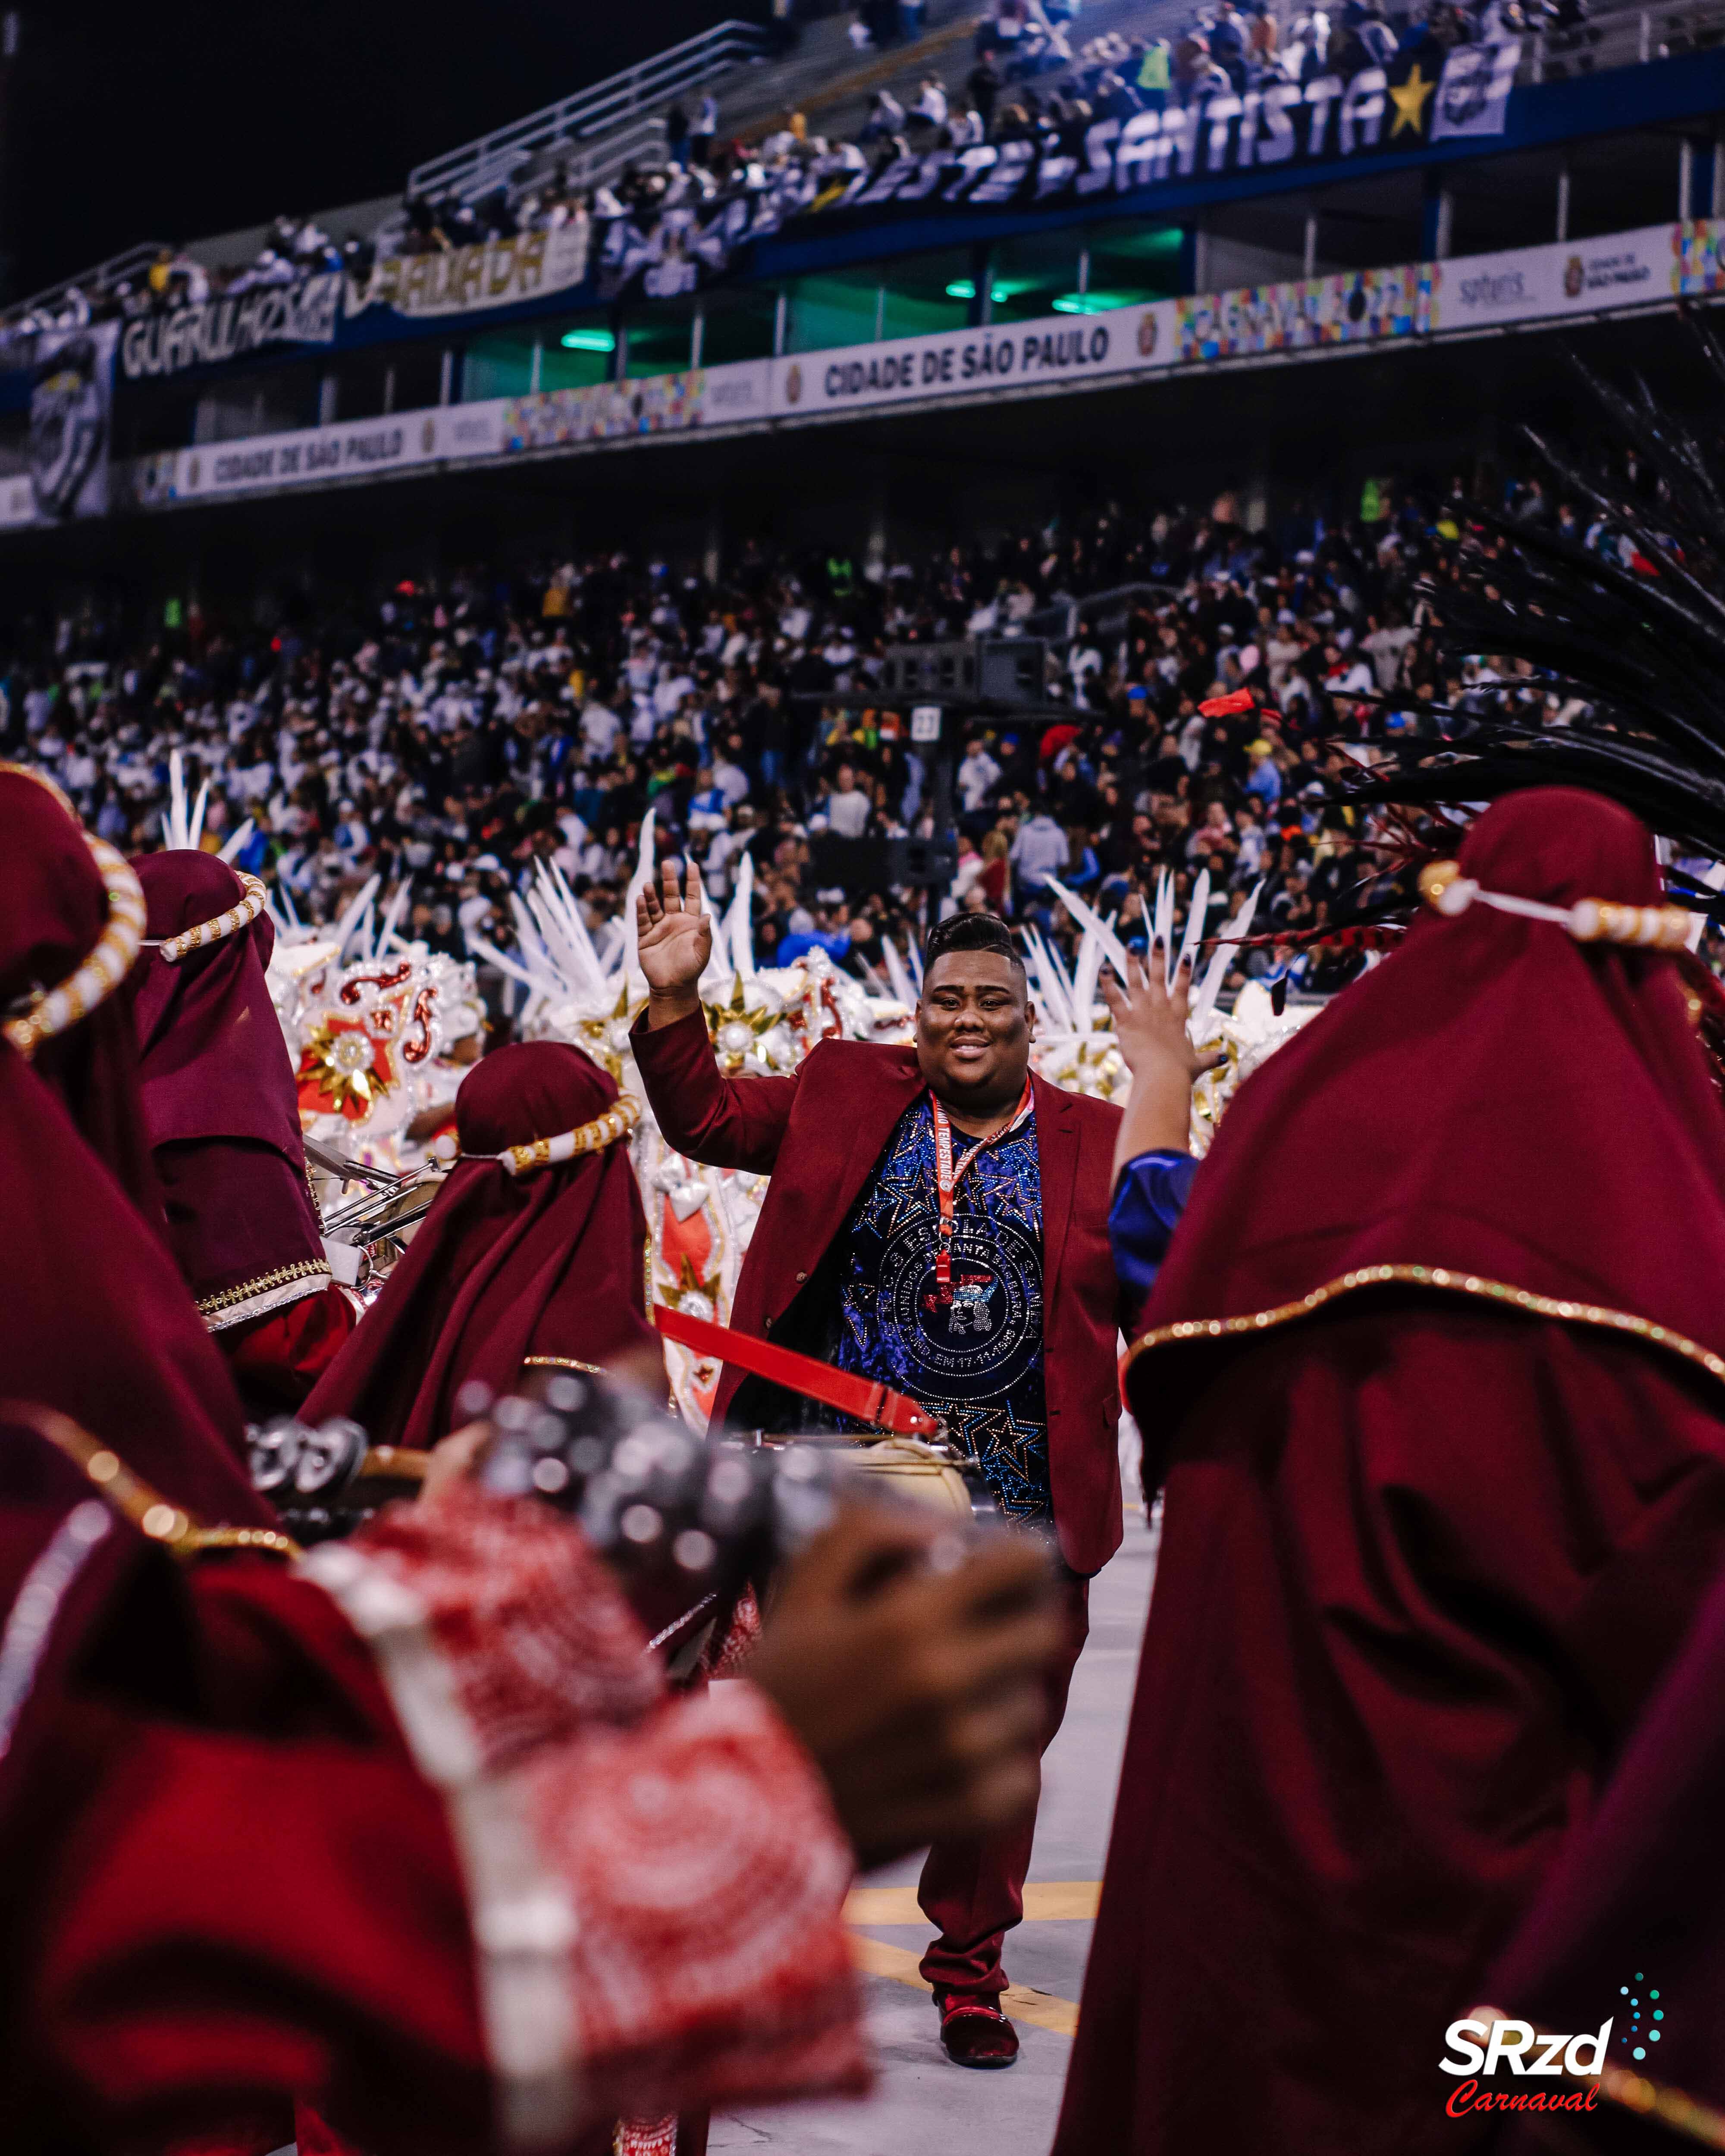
(973, 1892)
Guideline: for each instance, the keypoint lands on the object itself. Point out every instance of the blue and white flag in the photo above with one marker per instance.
(1473, 96)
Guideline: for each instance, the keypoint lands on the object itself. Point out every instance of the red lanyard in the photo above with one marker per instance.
(945, 1179)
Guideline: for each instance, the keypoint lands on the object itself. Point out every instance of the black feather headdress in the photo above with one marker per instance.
(1634, 636)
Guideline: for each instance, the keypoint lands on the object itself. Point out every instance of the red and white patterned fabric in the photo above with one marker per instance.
(705, 1871)
(535, 1638)
(638, 2137)
(656, 1887)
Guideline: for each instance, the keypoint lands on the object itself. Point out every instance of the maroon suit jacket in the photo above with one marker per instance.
(818, 1135)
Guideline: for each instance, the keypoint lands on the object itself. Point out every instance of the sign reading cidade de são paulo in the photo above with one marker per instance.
(1056, 350)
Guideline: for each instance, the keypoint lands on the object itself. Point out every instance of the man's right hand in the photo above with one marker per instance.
(913, 1672)
(674, 939)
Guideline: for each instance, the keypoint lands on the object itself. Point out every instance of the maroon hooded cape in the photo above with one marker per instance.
(220, 1099)
(502, 1268)
(1631, 1922)
(94, 1320)
(53, 909)
(1433, 1384)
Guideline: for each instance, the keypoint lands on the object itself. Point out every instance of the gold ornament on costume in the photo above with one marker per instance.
(734, 1028)
(133, 1499)
(1447, 891)
(202, 933)
(698, 1297)
(345, 1069)
(606, 1039)
(617, 1123)
(52, 1011)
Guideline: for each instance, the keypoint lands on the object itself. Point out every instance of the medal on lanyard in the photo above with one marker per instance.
(945, 1179)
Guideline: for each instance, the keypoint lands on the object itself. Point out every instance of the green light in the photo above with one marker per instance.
(962, 288)
(588, 340)
(1165, 240)
(1097, 303)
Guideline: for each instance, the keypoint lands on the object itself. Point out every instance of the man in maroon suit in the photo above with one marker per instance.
(937, 1219)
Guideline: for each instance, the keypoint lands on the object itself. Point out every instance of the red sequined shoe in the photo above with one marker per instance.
(974, 2032)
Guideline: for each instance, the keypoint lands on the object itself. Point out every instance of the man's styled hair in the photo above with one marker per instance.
(970, 932)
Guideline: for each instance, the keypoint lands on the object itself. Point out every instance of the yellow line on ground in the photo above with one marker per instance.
(1045, 1901)
(1040, 2009)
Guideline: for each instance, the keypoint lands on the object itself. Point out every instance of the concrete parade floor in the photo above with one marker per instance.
(923, 2105)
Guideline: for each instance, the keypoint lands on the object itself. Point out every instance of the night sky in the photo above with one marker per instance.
(165, 122)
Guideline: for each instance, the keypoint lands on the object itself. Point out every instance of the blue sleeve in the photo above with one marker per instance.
(1148, 1201)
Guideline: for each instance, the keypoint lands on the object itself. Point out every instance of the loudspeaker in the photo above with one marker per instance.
(858, 866)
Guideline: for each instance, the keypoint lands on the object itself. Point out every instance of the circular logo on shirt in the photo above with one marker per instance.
(978, 1342)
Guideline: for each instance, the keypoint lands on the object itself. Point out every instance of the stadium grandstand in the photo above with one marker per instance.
(911, 208)
(609, 463)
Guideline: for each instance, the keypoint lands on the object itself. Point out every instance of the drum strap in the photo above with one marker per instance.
(869, 1402)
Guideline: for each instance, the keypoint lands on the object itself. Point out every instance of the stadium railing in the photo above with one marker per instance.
(608, 109)
(99, 276)
(1622, 36)
(1060, 622)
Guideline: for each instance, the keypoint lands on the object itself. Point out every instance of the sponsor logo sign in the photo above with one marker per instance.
(1544, 284)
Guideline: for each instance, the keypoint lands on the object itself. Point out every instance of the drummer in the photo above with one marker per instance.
(938, 1220)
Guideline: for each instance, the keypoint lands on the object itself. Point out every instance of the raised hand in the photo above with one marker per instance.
(1150, 1025)
(1150, 1020)
(674, 939)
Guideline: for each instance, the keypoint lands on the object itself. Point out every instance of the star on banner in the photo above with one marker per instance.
(1409, 98)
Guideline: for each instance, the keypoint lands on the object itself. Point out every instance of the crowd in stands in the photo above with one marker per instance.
(454, 732)
(1031, 78)
(293, 249)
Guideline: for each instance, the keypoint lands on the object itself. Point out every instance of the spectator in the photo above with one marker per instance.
(454, 732)
(983, 85)
(887, 117)
(930, 107)
(1263, 780)
(1039, 850)
(848, 807)
(704, 130)
(977, 774)
(993, 888)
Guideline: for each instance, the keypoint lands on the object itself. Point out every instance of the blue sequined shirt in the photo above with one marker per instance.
(976, 1362)
(1149, 1201)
